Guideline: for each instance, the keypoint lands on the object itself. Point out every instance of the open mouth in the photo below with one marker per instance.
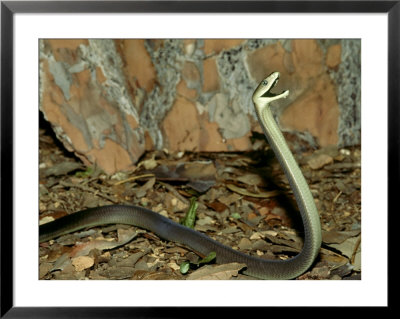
(263, 92)
(270, 86)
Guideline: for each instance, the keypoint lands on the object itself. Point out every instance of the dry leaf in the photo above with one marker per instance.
(200, 175)
(244, 244)
(46, 219)
(206, 220)
(102, 244)
(227, 200)
(132, 178)
(333, 259)
(82, 262)
(219, 272)
(62, 262)
(217, 206)
(149, 163)
(173, 265)
(337, 237)
(145, 187)
(245, 192)
(257, 235)
(198, 170)
(251, 179)
(62, 168)
(347, 247)
(44, 269)
(319, 161)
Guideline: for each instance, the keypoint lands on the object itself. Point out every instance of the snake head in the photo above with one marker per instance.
(262, 95)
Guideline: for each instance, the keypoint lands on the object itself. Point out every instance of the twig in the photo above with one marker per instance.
(133, 178)
(353, 256)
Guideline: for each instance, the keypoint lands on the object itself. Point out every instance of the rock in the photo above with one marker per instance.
(319, 161)
(109, 101)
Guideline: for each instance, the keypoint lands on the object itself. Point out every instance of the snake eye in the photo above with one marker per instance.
(264, 82)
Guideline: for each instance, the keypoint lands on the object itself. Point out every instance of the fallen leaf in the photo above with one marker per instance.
(206, 220)
(343, 270)
(245, 192)
(173, 265)
(218, 272)
(244, 244)
(320, 273)
(200, 185)
(82, 262)
(319, 161)
(176, 249)
(145, 187)
(149, 163)
(251, 179)
(334, 260)
(133, 178)
(126, 235)
(356, 259)
(168, 173)
(272, 233)
(46, 219)
(283, 240)
(261, 245)
(174, 204)
(231, 198)
(102, 244)
(69, 273)
(197, 169)
(118, 273)
(257, 235)
(62, 262)
(230, 230)
(132, 259)
(347, 247)
(44, 269)
(62, 168)
(217, 206)
(159, 276)
(199, 175)
(337, 237)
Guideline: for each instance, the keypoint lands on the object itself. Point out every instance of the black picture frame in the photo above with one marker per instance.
(9, 8)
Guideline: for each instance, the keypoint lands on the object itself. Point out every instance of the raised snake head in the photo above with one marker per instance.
(262, 95)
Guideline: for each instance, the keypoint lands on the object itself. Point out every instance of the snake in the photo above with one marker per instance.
(261, 268)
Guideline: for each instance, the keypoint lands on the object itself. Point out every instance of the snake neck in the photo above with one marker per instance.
(299, 186)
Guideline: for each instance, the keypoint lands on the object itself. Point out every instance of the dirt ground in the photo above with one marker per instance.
(244, 201)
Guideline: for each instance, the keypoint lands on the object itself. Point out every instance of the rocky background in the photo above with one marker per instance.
(109, 101)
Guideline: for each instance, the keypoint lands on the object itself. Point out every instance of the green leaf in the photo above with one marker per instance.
(184, 267)
(210, 257)
(190, 217)
(192, 192)
(88, 172)
(236, 215)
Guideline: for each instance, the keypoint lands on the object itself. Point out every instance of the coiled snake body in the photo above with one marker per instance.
(168, 229)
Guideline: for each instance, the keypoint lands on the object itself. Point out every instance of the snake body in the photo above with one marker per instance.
(170, 230)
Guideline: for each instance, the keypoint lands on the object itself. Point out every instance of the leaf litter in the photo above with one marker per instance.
(243, 200)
